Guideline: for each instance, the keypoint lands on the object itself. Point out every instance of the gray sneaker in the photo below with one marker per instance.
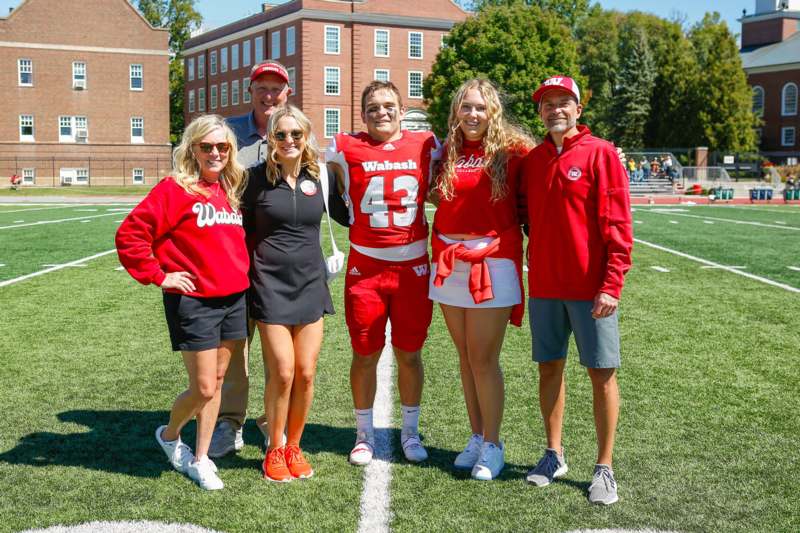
(603, 489)
(225, 440)
(549, 467)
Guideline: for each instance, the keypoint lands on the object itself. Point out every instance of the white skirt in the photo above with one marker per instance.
(455, 289)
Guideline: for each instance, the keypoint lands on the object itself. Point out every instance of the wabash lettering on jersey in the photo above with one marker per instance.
(386, 185)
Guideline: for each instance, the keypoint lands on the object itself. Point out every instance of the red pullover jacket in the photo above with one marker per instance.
(172, 231)
(580, 219)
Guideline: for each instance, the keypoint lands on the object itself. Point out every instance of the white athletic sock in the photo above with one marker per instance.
(410, 420)
(364, 421)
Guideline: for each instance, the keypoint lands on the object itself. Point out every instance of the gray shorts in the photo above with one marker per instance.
(552, 321)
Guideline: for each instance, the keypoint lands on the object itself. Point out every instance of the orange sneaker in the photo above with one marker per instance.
(274, 466)
(298, 466)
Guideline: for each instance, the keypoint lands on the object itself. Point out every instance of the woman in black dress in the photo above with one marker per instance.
(282, 208)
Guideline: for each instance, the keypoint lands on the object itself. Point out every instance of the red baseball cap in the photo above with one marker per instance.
(269, 67)
(557, 82)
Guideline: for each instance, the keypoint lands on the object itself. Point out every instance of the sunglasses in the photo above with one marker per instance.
(297, 135)
(207, 148)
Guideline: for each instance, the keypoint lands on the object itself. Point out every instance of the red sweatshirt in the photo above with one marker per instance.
(172, 231)
(580, 218)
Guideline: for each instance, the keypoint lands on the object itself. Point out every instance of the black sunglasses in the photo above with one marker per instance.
(297, 135)
(207, 148)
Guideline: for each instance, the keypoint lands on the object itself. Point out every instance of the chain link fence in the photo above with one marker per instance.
(57, 171)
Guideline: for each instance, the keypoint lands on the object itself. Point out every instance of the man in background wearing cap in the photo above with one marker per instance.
(581, 240)
(269, 89)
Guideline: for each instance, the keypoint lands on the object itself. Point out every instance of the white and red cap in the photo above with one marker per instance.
(269, 67)
(557, 82)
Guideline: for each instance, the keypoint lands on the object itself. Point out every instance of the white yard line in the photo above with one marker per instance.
(3, 211)
(738, 267)
(375, 505)
(700, 260)
(786, 209)
(659, 268)
(54, 268)
(796, 269)
(746, 222)
(42, 222)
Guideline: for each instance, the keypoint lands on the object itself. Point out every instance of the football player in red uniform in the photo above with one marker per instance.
(384, 175)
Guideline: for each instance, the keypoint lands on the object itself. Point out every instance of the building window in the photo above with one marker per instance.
(382, 74)
(332, 39)
(758, 100)
(201, 99)
(292, 72)
(212, 62)
(191, 101)
(246, 90)
(25, 69)
(415, 84)
(190, 68)
(246, 53)
(137, 78)
(788, 136)
(415, 45)
(73, 129)
(331, 122)
(138, 176)
(234, 56)
(223, 59)
(137, 129)
(381, 43)
(223, 94)
(332, 81)
(78, 75)
(789, 99)
(201, 66)
(28, 176)
(275, 45)
(235, 92)
(213, 97)
(81, 175)
(290, 41)
(26, 128)
(259, 53)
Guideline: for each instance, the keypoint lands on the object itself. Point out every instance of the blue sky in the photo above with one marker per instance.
(216, 13)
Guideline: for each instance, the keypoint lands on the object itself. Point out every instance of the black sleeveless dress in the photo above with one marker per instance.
(288, 283)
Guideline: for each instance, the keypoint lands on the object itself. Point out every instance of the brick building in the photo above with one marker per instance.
(85, 94)
(771, 58)
(332, 49)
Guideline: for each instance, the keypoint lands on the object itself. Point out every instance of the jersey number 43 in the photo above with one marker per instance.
(374, 203)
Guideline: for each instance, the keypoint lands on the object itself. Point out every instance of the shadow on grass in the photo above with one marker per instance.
(123, 442)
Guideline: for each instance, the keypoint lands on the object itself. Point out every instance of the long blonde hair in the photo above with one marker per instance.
(499, 142)
(309, 159)
(186, 168)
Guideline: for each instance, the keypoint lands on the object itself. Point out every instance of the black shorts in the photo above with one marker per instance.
(203, 323)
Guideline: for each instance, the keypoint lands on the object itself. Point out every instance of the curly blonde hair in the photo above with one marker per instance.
(501, 140)
(186, 168)
(309, 159)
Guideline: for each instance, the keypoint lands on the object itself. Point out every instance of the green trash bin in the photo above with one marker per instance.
(797, 194)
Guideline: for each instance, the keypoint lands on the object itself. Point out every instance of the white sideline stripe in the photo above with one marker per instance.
(659, 268)
(746, 222)
(79, 265)
(796, 269)
(727, 266)
(41, 222)
(766, 281)
(375, 507)
(3, 211)
(54, 268)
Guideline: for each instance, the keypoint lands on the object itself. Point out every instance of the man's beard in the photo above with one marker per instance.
(562, 126)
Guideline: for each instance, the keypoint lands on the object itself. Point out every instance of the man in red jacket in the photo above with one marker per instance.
(580, 249)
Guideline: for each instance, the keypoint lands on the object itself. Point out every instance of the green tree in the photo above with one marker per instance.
(571, 12)
(515, 46)
(633, 88)
(181, 17)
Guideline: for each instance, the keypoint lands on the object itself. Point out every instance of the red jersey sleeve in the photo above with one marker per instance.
(614, 218)
(141, 228)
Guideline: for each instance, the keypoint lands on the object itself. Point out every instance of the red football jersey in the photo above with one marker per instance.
(386, 185)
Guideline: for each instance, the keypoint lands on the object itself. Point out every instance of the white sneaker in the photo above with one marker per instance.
(178, 454)
(204, 472)
(225, 439)
(362, 452)
(467, 458)
(490, 463)
(413, 448)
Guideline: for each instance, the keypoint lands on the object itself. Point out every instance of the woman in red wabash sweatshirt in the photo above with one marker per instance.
(186, 237)
(477, 258)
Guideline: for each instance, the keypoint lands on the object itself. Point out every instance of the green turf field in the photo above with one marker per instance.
(708, 437)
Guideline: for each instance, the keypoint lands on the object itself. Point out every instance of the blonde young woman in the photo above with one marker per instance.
(283, 207)
(477, 258)
(186, 237)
